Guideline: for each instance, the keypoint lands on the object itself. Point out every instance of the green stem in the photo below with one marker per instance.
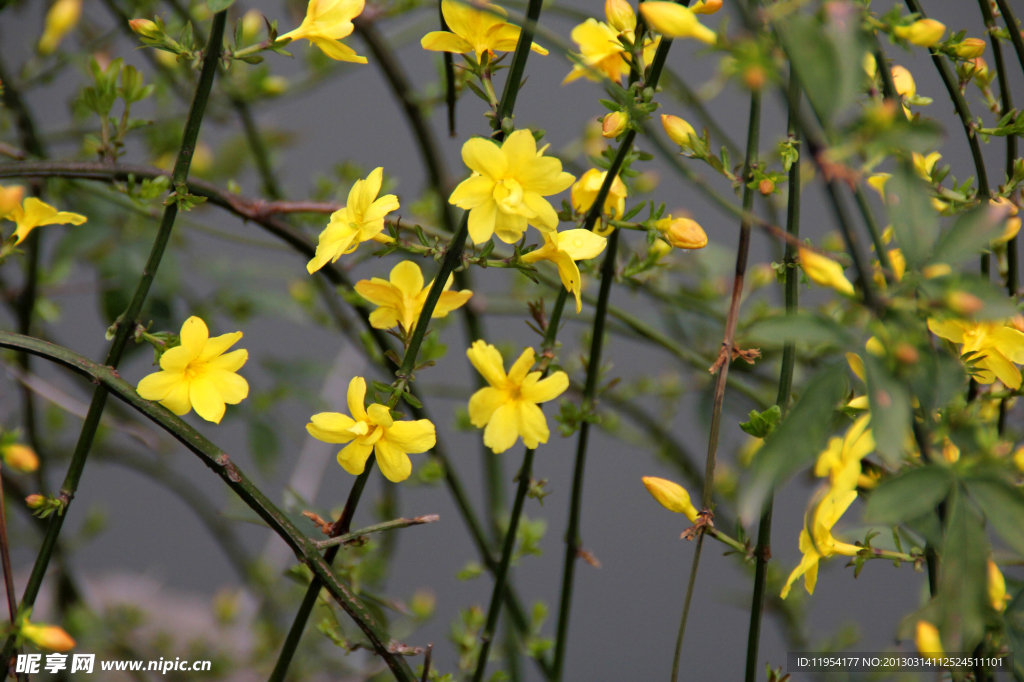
(449, 78)
(677, 654)
(235, 478)
(1013, 28)
(376, 528)
(126, 323)
(762, 551)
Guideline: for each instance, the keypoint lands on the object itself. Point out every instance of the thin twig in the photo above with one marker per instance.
(378, 528)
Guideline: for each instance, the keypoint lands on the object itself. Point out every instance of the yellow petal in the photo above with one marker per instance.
(353, 456)
(501, 432)
(472, 192)
(157, 386)
(546, 389)
(394, 464)
(331, 427)
(229, 362)
(927, 639)
(531, 424)
(482, 221)
(412, 436)
(233, 389)
(206, 399)
(178, 400)
(581, 244)
(484, 157)
(356, 397)
(825, 271)
(521, 366)
(194, 336)
(444, 41)
(217, 345)
(675, 21)
(484, 403)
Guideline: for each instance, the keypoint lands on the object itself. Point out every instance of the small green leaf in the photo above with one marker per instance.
(910, 495)
(219, 5)
(890, 410)
(970, 234)
(1003, 505)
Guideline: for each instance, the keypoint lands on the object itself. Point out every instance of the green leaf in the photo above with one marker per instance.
(796, 441)
(963, 593)
(910, 495)
(801, 326)
(913, 218)
(1003, 505)
(762, 423)
(219, 5)
(970, 234)
(890, 410)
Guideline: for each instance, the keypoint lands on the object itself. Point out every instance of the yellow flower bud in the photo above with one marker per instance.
(923, 32)
(856, 365)
(35, 501)
(145, 28)
(613, 124)
(678, 130)
(252, 22)
(869, 65)
(981, 71)
(903, 81)
(682, 233)
(1018, 459)
(825, 271)
(997, 595)
(927, 639)
(274, 85)
(660, 248)
(969, 48)
(675, 21)
(875, 347)
(620, 15)
(963, 303)
(671, 496)
(950, 451)
(47, 637)
(1012, 223)
(21, 458)
(10, 199)
(706, 6)
(60, 20)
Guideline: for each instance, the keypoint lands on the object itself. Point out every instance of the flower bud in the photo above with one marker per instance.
(969, 48)
(252, 22)
(997, 595)
(963, 303)
(678, 130)
(671, 496)
(766, 186)
(35, 501)
(936, 270)
(980, 69)
(923, 32)
(825, 271)
(754, 76)
(908, 355)
(620, 15)
(586, 189)
(1012, 222)
(10, 198)
(660, 248)
(675, 21)
(21, 458)
(274, 85)
(903, 81)
(47, 637)
(869, 64)
(146, 28)
(877, 182)
(683, 233)
(927, 639)
(613, 124)
(60, 20)
(706, 6)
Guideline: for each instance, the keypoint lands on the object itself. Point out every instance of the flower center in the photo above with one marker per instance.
(509, 194)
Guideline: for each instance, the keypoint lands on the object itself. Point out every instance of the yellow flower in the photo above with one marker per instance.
(613, 124)
(60, 20)
(997, 595)
(923, 165)
(401, 300)
(950, 452)
(675, 21)
(841, 459)
(969, 48)
(372, 429)
(601, 50)
(678, 130)
(21, 458)
(825, 271)
(326, 23)
(927, 639)
(508, 407)
(682, 233)
(1012, 222)
(10, 198)
(148, 29)
(706, 6)
(47, 637)
(903, 80)
(361, 220)
(819, 544)
(198, 374)
(35, 213)
(586, 189)
(671, 496)
(923, 32)
(877, 182)
(481, 31)
(563, 249)
(996, 346)
(507, 188)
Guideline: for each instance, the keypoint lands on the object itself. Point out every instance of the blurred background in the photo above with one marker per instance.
(138, 541)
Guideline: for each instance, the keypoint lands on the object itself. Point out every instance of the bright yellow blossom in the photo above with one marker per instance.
(507, 188)
(326, 23)
(682, 233)
(372, 429)
(840, 461)
(903, 80)
(923, 32)
(21, 458)
(671, 496)
(361, 220)
(923, 165)
(706, 6)
(927, 639)
(1012, 222)
(198, 374)
(997, 595)
(613, 124)
(401, 299)
(969, 48)
(877, 182)
(825, 271)
(678, 130)
(60, 20)
(563, 249)
(996, 347)
(46, 636)
(819, 543)
(481, 31)
(508, 406)
(35, 213)
(586, 189)
(675, 21)
(601, 50)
